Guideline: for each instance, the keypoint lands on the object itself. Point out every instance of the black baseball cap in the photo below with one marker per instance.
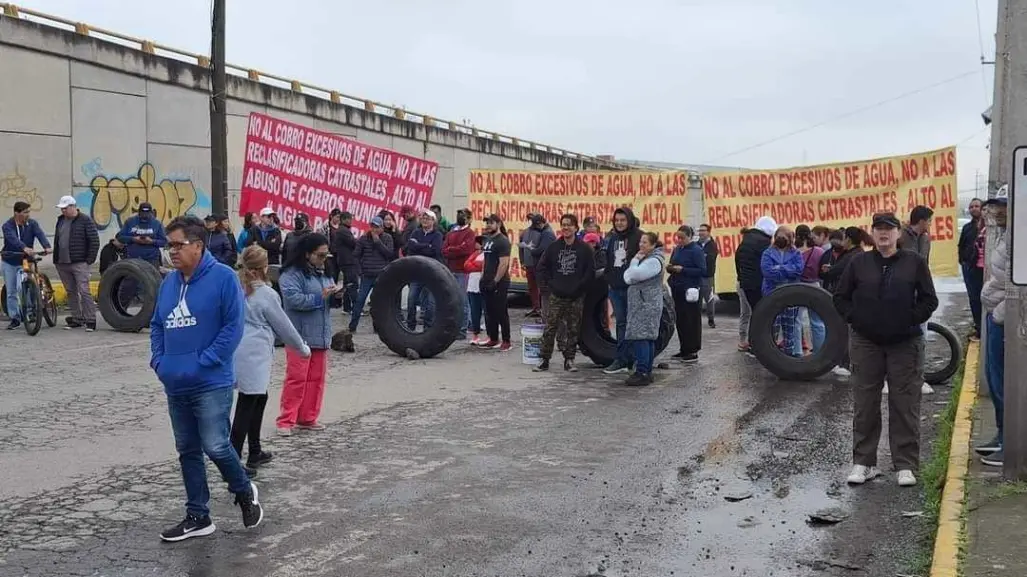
(886, 220)
(997, 201)
(145, 207)
(211, 218)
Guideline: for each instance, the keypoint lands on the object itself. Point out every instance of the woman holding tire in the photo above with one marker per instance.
(644, 279)
(306, 294)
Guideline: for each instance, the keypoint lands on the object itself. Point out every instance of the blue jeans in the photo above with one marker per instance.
(202, 426)
(619, 300)
(366, 284)
(645, 352)
(973, 278)
(420, 295)
(11, 275)
(477, 304)
(465, 321)
(995, 369)
(817, 330)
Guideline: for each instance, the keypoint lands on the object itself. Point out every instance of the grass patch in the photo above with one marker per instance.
(932, 475)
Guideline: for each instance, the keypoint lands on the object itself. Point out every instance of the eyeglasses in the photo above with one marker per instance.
(177, 246)
(321, 254)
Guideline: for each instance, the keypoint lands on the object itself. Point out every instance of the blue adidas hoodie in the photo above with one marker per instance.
(196, 327)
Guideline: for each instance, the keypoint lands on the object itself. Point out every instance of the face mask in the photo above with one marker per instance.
(781, 242)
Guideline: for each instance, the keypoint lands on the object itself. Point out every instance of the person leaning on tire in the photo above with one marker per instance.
(885, 295)
(76, 244)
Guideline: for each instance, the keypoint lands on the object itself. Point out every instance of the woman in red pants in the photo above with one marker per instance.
(306, 296)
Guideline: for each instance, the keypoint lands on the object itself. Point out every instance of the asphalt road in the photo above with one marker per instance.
(465, 465)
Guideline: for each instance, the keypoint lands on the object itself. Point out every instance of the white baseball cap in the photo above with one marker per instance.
(66, 201)
(266, 211)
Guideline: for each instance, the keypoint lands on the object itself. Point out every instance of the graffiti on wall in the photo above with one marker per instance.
(14, 187)
(115, 199)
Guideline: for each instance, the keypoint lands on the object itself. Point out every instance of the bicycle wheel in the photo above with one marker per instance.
(31, 307)
(49, 301)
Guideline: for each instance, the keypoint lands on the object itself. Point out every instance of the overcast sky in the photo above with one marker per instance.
(666, 80)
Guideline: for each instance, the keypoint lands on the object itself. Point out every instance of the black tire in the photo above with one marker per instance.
(956, 348)
(31, 307)
(49, 301)
(442, 285)
(595, 340)
(112, 310)
(761, 333)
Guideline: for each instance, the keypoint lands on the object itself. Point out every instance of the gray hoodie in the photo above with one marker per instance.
(264, 319)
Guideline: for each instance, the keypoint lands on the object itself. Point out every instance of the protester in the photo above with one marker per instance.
(143, 235)
(410, 223)
(748, 270)
(217, 242)
(442, 224)
(264, 318)
(812, 253)
(473, 267)
(567, 268)
(971, 261)
(687, 270)
(373, 253)
(300, 228)
(993, 300)
(266, 235)
(849, 244)
(707, 294)
(389, 228)
(644, 279)
(329, 229)
(306, 294)
(546, 238)
(917, 238)
(456, 248)
(76, 244)
(248, 222)
(782, 264)
(20, 235)
(622, 244)
(225, 224)
(530, 238)
(495, 283)
(821, 236)
(195, 330)
(425, 241)
(343, 243)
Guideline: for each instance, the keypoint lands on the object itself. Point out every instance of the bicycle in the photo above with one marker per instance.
(36, 300)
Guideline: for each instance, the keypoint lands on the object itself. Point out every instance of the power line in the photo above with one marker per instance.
(980, 41)
(844, 115)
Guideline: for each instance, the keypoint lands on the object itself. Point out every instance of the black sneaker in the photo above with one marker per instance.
(996, 459)
(15, 323)
(568, 365)
(712, 323)
(690, 359)
(992, 446)
(616, 367)
(191, 526)
(251, 472)
(90, 326)
(542, 366)
(638, 380)
(678, 356)
(261, 458)
(252, 512)
(71, 323)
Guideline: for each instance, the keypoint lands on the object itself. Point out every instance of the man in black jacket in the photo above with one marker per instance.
(885, 295)
(567, 270)
(76, 244)
(621, 246)
(748, 258)
(267, 236)
(971, 245)
(343, 245)
(706, 289)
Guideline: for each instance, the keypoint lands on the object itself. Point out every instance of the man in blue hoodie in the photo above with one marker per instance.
(424, 241)
(196, 327)
(143, 235)
(20, 235)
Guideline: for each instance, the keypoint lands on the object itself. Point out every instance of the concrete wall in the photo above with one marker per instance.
(116, 126)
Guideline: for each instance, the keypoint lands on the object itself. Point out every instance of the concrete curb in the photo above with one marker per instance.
(953, 498)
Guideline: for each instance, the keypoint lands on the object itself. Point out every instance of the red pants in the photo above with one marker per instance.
(304, 388)
(536, 304)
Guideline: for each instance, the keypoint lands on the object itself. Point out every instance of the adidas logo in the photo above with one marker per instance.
(180, 316)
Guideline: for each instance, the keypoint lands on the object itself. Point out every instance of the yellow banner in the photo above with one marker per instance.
(657, 199)
(836, 196)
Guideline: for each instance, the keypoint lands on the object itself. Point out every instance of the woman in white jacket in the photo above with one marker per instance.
(993, 299)
(264, 319)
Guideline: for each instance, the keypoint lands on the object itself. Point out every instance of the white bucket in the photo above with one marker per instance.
(531, 344)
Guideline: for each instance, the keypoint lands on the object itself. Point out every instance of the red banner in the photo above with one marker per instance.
(292, 168)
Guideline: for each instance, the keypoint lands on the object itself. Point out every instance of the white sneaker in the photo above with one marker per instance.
(284, 432)
(906, 478)
(841, 372)
(861, 474)
(927, 389)
(884, 391)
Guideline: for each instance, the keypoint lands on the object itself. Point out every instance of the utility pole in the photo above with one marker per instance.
(218, 123)
(1009, 129)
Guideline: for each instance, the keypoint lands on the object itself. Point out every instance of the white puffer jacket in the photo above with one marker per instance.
(993, 295)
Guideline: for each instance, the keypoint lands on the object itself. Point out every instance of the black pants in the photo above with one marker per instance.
(351, 281)
(497, 316)
(753, 296)
(249, 414)
(689, 322)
